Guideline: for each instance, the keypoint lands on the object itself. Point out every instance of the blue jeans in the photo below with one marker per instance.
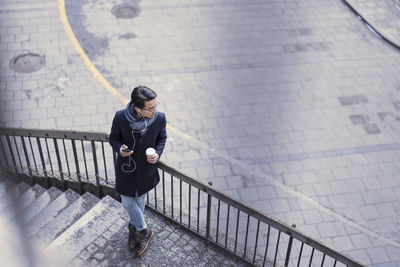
(135, 208)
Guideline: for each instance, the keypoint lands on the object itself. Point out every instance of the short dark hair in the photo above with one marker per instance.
(140, 94)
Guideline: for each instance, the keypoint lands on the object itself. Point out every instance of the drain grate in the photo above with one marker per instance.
(27, 63)
(125, 11)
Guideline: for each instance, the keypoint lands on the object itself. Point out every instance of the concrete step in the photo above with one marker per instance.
(65, 219)
(38, 204)
(6, 175)
(5, 186)
(98, 247)
(49, 213)
(22, 201)
(87, 229)
(13, 194)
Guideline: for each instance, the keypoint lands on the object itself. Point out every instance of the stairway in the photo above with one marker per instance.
(55, 228)
(61, 223)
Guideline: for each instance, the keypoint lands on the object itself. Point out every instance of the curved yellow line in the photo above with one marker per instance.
(92, 67)
(82, 54)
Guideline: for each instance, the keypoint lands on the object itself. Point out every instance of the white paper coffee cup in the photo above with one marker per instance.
(150, 152)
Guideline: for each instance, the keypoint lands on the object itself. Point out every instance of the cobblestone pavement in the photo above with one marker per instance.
(290, 106)
(170, 246)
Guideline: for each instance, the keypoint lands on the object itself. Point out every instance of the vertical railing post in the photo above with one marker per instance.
(33, 154)
(48, 155)
(42, 160)
(277, 247)
(218, 212)
(3, 150)
(66, 157)
(237, 230)
(266, 246)
(155, 197)
(19, 156)
(190, 204)
(12, 154)
(28, 163)
(247, 235)
(208, 213)
(96, 169)
(289, 249)
(180, 201)
(172, 196)
(255, 246)
(163, 190)
(227, 226)
(1, 156)
(60, 169)
(198, 210)
(104, 162)
(84, 159)
(78, 173)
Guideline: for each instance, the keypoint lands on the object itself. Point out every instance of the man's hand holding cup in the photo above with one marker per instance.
(152, 156)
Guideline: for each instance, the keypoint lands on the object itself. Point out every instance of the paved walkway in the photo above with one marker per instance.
(171, 246)
(381, 16)
(290, 106)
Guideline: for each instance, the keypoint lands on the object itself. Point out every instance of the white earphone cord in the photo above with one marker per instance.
(130, 169)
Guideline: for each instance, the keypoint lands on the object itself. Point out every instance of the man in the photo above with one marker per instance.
(134, 129)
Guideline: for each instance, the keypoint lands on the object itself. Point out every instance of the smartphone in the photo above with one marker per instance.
(126, 150)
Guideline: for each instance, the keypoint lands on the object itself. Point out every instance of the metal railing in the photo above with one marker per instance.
(83, 158)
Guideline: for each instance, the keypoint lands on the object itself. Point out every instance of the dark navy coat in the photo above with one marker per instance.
(145, 177)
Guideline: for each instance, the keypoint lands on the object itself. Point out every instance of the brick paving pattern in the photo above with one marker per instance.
(293, 107)
(171, 246)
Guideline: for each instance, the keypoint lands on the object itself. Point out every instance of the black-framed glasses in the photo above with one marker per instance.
(153, 108)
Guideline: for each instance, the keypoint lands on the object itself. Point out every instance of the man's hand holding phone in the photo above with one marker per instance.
(125, 151)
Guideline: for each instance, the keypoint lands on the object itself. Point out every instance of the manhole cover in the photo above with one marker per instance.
(27, 63)
(124, 11)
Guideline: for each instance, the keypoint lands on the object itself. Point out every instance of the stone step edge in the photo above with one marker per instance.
(55, 208)
(85, 230)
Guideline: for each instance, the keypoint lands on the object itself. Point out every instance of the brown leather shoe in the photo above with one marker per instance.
(133, 239)
(144, 241)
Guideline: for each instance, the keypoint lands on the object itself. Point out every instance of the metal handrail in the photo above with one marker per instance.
(260, 215)
(18, 156)
(62, 134)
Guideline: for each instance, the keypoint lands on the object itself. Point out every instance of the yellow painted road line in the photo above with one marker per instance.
(92, 67)
(82, 54)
